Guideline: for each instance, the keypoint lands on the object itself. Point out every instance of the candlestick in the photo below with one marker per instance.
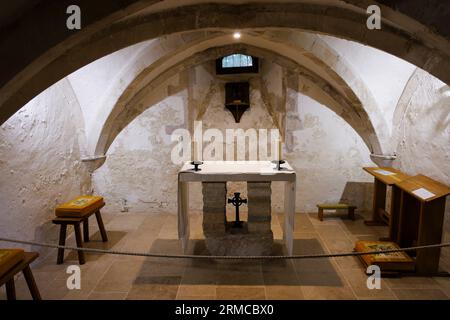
(280, 148)
(195, 151)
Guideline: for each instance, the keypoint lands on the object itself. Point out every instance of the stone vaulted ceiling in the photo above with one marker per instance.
(37, 50)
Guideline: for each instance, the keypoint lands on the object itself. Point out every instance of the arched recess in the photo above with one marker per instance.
(330, 64)
(145, 54)
(319, 89)
(400, 36)
(310, 51)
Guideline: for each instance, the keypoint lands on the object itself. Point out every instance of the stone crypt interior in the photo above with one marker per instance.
(93, 112)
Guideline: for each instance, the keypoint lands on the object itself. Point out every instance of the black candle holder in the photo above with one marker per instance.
(278, 164)
(196, 165)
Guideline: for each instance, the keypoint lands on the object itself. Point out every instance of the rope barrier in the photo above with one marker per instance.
(204, 257)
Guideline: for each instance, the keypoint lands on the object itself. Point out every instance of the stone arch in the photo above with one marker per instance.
(146, 53)
(402, 104)
(400, 36)
(350, 109)
(305, 48)
(336, 68)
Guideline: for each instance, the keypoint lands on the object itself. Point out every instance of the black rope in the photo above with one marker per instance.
(188, 256)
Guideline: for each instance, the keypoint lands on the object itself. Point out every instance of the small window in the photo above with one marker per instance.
(237, 63)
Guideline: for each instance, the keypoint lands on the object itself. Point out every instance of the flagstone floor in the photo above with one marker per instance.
(125, 277)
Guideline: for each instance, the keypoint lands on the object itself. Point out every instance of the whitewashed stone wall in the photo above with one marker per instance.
(328, 156)
(138, 174)
(385, 75)
(40, 167)
(422, 135)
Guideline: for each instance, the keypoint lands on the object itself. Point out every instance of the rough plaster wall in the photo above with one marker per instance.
(40, 163)
(138, 174)
(327, 153)
(423, 131)
(273, 92)
(328, 156)
(257, 117)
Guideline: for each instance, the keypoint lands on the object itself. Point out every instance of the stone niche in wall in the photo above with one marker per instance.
(237, 98)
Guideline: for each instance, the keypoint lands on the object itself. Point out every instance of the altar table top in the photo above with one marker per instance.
(237, 171)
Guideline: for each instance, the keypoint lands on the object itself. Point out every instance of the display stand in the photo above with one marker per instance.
(384, 177)
(421, 208)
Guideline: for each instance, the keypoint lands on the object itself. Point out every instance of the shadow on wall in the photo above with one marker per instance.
(359, 194)
(46, 232)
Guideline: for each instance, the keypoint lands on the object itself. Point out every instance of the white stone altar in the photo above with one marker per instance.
(258, 175)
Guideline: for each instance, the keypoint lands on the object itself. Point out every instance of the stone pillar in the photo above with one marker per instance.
(259, 206)
(221, 238)
(214, 208)
(259, 216)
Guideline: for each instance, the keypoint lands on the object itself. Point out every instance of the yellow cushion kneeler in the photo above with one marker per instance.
(9, 258)
(79, 207)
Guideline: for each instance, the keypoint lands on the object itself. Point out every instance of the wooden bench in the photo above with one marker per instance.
(23, 265)
(74, 213)
(336, 206)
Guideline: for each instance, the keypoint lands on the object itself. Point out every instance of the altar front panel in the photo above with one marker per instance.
(247, 171)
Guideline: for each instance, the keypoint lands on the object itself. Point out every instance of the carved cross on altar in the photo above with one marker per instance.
(237, 201)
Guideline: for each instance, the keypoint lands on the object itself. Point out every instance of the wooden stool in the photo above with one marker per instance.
(74, 213)
(350, 208)
(23, 265)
